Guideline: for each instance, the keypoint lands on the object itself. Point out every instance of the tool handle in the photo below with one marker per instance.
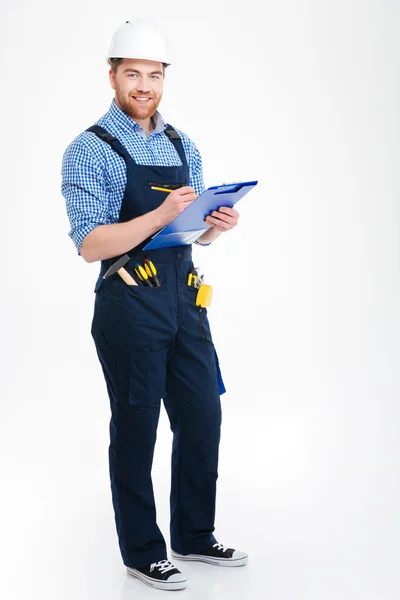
(123, 273)
(144, 276)
(192, 277)
(151, 272)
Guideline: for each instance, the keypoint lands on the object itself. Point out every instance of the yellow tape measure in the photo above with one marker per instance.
(204, 295)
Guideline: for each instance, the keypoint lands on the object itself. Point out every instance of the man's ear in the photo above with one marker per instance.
(112, 78)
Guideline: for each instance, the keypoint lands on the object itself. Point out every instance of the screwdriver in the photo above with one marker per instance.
(192, 278)
(142, 274)
(151, 272)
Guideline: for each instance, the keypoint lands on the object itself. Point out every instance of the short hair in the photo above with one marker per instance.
(115, 62)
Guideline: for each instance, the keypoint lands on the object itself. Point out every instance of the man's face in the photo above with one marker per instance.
(138, 86)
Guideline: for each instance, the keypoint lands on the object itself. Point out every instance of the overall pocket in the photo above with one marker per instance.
(202, 331)
(221, 386)
(147, 377)
(197, 314)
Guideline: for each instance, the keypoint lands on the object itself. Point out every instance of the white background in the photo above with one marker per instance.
(304, 97)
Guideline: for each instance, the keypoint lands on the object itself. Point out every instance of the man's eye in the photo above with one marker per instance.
(132, 75)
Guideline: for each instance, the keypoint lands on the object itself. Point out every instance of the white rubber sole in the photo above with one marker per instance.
(160, 585)
(219, 562)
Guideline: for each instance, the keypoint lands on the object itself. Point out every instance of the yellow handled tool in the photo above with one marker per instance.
(151, 272)
(192, 277)
(142, 274)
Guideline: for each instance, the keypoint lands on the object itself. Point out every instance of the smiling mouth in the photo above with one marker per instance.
(141, 99)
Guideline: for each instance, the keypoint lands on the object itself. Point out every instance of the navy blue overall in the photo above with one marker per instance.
(156, 343)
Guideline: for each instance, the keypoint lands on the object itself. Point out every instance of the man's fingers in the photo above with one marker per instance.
(186, 189)
(188, 198)
(229, 211)
(221, 217)
(186, 194)
(218, 223)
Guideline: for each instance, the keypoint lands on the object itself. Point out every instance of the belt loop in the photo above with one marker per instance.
(100, 279)
(98, 283)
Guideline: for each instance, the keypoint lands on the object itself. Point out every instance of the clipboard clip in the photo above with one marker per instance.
(230, 188)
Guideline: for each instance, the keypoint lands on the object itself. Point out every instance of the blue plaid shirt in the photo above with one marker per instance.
(94, 175)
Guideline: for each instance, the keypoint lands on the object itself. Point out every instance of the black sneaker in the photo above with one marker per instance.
(162, 575)
(216, 555)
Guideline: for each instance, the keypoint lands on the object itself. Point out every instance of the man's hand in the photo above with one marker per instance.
(223, 219)
(175, 203)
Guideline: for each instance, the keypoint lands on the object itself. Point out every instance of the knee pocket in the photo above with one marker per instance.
(147, 377)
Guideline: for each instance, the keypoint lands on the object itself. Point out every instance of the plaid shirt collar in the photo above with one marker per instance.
(123, 121)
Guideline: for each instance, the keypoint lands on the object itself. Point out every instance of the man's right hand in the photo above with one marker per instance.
(107, 241)
(175, 203)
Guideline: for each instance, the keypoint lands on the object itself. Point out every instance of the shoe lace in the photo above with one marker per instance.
(221, 547)
(162, 565)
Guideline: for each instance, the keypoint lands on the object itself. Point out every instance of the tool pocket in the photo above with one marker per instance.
(197, 315)
(204, 325)
(221, 386)
(147, 377)
(96, 320)
(201, 323)
(166, 186)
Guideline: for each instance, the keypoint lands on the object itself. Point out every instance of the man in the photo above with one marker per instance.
(152, 342)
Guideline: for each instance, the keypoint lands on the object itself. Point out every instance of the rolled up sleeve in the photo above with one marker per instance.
(83, 187)
(196, 170)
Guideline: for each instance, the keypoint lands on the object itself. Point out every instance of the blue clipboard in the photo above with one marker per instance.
(187, 227)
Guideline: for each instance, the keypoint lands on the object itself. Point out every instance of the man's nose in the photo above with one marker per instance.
(143, 85)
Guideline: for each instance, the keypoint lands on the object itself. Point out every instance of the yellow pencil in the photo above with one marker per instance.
(161, 189)
(166, 190)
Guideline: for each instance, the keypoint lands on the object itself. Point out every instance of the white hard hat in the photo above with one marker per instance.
(139, 39)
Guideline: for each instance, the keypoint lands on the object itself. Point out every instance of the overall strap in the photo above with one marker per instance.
(177, 142)
(116, 145)
(111, 140)
(119, 148)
